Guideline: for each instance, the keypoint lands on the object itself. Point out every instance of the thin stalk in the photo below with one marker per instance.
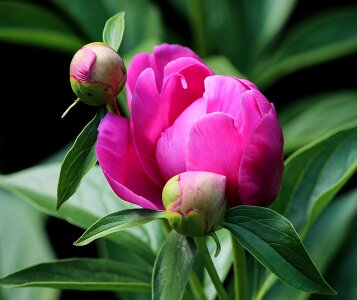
(70, 107)
(269, 281)
(196, 22)
(240, 271)
(211, 269)
(196, 286)
(165, 226)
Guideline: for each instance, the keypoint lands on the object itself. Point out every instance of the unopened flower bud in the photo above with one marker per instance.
(97, 74)
(195, 202)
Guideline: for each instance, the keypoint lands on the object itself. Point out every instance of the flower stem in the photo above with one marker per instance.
(208, 263)
(269, 281)
(196, 18)
(197, 287)
(165, 226)
(70, 107)
(240, 270)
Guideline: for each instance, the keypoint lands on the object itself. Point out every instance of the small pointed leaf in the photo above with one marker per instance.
(79, 160)
(118, 221)
(114, 30)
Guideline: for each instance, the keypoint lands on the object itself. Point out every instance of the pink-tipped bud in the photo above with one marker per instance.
(97, 74)
(195, 202)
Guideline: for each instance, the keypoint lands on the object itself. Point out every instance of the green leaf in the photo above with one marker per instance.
(30, 24)
(26, 245)
(109, 250)
(324, 241)
(260, 22)
(81, 274)
(142, 21)
(272, 240)
(320, 38)
(307, 120)
(79, 160)
(343, 271)
(172, 267)
(118, 221)
(114, 30)
(314, 174)
(93, 200)
(222, 66)
(91, 18)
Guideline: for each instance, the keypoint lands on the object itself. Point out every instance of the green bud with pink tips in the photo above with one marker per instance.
(195, 202)
(97, 74)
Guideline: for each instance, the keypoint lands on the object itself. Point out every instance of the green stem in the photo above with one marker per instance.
(240, 270)
(165, 226)
(208, 263)
(70, 107)
(269, 281)
(196, 286)
(196, 20)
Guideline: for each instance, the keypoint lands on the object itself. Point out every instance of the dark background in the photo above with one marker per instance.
(35, 91)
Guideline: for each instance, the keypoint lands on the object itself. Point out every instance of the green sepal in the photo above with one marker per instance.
(92, 93)
(191, 224)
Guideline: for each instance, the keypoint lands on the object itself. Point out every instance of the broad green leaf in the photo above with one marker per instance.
(324, 241)
(142, 21)
(314, 174)
(231, 24)
(26, 244)
(91, 18)
(31, 24)
(82, 274)
(222, 66)
(93, 200)
(109, 250)
(315, 40)
(272, 240)
(172, 267)
(118, 221)
(114, 30)
(79, 160)
(260, 22)
(343, 271)
(307, 120)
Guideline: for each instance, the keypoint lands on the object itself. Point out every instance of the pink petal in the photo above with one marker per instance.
(223, 94)
(262, 163)
(163, 54)
(171, 147)
(120, 164)
(152, 113)
(183, 88)
(214, 146)
(139, 63)
(82, 64)
(251, 115)
(149, 117)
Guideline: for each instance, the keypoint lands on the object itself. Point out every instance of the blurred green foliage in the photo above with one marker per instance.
(245, 38)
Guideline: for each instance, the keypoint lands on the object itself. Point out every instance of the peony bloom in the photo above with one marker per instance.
(185, 118)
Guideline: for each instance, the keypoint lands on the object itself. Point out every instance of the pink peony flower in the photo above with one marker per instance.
(185, 118)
